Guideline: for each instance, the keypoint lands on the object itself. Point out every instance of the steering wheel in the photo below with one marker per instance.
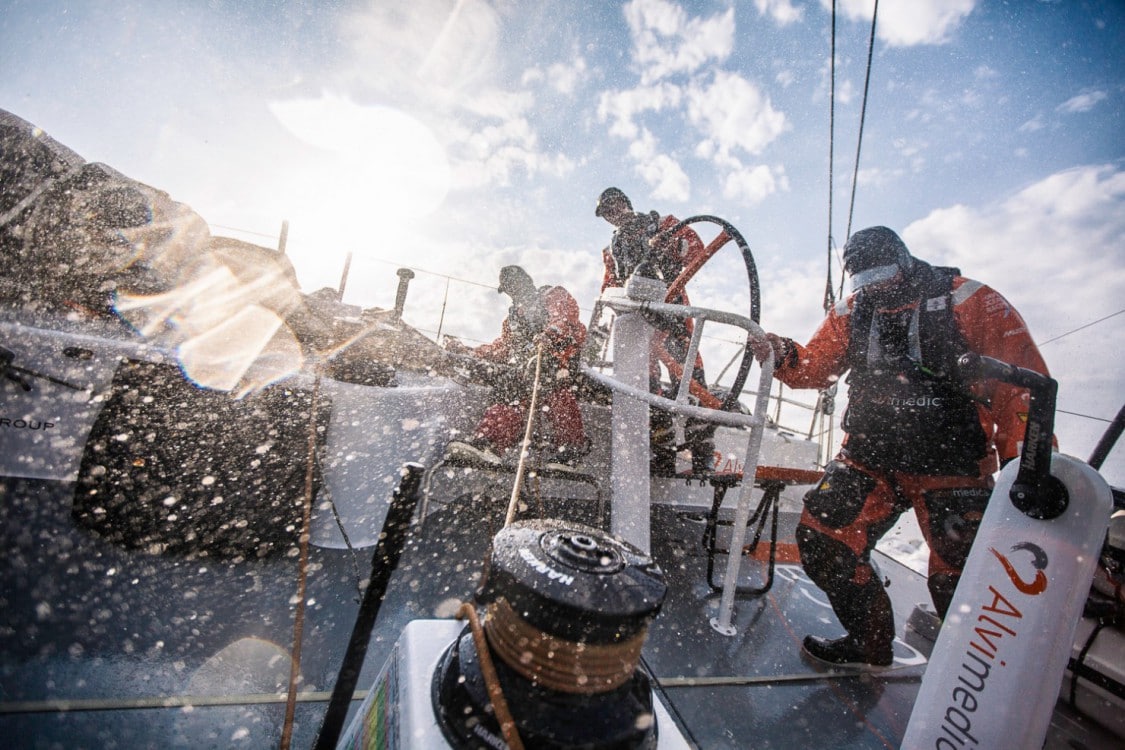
(693, 262)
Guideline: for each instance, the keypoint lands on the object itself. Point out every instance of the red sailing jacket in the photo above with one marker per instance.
(564, 334)
(675, 253)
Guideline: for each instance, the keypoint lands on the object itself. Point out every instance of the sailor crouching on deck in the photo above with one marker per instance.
(547, 315)
(916, 435)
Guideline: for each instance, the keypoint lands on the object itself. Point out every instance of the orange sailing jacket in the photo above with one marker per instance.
(989, 325)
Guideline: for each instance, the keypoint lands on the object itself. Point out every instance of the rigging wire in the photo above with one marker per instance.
(862, 115)
(1064, 335)
(1084, 416)
(1081, 327)
(829, 297)
(862, 119)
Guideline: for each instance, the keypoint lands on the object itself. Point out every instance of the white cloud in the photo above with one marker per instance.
(754, 185)
(660, 171)
(906, 23)
(499, 104)
(562, 77)
(565, 77)
(621, 108)
(909, 148)
(845, 89)
(668, 179)
(1082, 103)
(439, 60)
(876, 176)
(667, 41)
(782, 11)
(793, 305)
(428, 50)
(733, 114)
(1065, 231)
(490, 155)
(1056, 251)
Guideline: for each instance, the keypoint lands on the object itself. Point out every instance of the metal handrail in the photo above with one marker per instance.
(756, 421)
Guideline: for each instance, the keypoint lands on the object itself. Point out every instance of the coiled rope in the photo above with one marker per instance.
(558, 664)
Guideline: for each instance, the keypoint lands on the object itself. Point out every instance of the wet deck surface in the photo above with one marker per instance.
(117, 633)
(771, 693)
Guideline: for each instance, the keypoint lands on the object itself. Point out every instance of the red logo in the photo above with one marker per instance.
(1039, 561)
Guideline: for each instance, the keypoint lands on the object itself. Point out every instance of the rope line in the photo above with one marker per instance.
(525, 448)
(302, 573)
(491, 680)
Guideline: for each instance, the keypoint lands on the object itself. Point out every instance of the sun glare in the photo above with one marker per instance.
(369, 172)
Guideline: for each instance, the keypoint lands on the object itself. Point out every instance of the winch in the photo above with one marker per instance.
(567, 608)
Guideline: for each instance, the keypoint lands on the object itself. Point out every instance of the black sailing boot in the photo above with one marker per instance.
(865, 612)
(848, 652)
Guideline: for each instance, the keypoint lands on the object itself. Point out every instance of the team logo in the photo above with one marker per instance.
(1036, 585)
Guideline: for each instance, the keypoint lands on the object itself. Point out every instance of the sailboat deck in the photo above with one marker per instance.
(103, 647)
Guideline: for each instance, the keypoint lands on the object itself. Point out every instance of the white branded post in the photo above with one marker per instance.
(993, 677)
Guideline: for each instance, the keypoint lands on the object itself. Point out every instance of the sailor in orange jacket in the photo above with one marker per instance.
(549, 315)
(917, 435)
(640, 245)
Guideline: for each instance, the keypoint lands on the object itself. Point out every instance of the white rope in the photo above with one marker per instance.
(517, 486)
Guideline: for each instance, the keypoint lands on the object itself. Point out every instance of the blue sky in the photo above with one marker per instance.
(457, 137)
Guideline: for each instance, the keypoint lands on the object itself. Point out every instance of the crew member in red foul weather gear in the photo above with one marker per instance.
(549, 315)
(640, 245)
(916, 434)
